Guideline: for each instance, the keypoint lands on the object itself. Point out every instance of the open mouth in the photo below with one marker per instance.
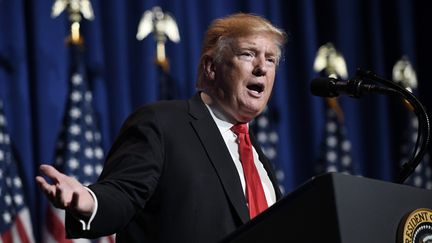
(258, 88)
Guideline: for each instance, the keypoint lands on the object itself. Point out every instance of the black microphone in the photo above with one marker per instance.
(331, 87)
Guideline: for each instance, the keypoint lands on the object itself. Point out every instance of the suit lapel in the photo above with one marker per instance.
(219, 155)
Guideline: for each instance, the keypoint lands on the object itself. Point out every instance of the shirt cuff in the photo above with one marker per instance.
(86, 225)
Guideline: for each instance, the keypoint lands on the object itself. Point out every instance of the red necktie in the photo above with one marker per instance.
(255, 196)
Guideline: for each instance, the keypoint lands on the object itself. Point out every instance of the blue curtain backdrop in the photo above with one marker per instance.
(371, 34)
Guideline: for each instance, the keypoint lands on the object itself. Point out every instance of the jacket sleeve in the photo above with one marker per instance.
(130, 176)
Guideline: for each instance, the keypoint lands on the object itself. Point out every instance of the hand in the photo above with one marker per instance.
(65, 192)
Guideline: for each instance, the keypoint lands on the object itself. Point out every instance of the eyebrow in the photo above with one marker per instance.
(253, 48)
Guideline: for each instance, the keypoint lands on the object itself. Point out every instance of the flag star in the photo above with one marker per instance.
(8, 199)
(346, 145)
(1, 174)
(88, 170)
(18, 199)
(263, 121)
(274, 137)
(262, 137)
(6, 139)
(74, 146)
(1, 138)
(7, 218)
(2, 120)
(331, 156)
(1, 155)
(88, 96)
(346, 160)
(89, 136)
(271, 153)
(418, 181)
(97, 136)
(88, 119)
(331, 127)
(86, 183)
(75, 129)
(76, 79)
(282, 189)
(332, 168)
(76, 96)
(98, 153)
(88, 152)
(419, 168)
(98, 169)
(331, 141)
(73, 163)
(280, 175)
(8, 181)
(75, 113)
(17, 182)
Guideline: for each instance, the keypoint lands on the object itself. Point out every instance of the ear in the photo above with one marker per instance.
(209, 67)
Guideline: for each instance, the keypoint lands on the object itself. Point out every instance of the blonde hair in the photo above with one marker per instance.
(223, 30)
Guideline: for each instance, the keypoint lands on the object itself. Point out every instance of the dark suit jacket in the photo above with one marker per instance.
(169, 177)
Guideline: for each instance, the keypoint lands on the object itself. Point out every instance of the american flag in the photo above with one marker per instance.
(335, 147)
(405, 75)
(264, 127)
(335, 154)
(79, 152)
(15, 221)
(422, 175)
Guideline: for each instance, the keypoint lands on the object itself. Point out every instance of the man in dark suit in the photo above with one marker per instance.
(176, 172)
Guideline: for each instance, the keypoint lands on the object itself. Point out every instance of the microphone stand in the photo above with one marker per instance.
(423, 137)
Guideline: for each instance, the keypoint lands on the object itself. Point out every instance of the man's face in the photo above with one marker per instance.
(243, 80)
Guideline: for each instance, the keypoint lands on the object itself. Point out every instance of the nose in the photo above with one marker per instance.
(260, 68)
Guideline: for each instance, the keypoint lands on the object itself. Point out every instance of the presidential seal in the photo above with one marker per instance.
(416, 227)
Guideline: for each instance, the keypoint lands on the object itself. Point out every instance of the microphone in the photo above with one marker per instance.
(331, 87)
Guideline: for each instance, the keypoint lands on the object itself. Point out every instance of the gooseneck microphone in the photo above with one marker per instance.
(361, 85)
(331, 87)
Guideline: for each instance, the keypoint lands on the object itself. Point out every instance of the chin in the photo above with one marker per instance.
(249, 116)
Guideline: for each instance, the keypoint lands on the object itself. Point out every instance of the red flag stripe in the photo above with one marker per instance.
(56, 227)
(7, 237)
(22, 233)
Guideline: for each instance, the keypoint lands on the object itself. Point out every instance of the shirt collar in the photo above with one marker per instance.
(220, 120)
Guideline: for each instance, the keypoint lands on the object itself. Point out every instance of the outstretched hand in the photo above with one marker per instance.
(65, 192)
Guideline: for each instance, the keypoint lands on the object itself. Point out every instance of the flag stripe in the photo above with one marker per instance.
(55, 226)
(21, 234)
(7, 237)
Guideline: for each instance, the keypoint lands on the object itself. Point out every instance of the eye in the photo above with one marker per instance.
(247, 55)
(271, 60)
